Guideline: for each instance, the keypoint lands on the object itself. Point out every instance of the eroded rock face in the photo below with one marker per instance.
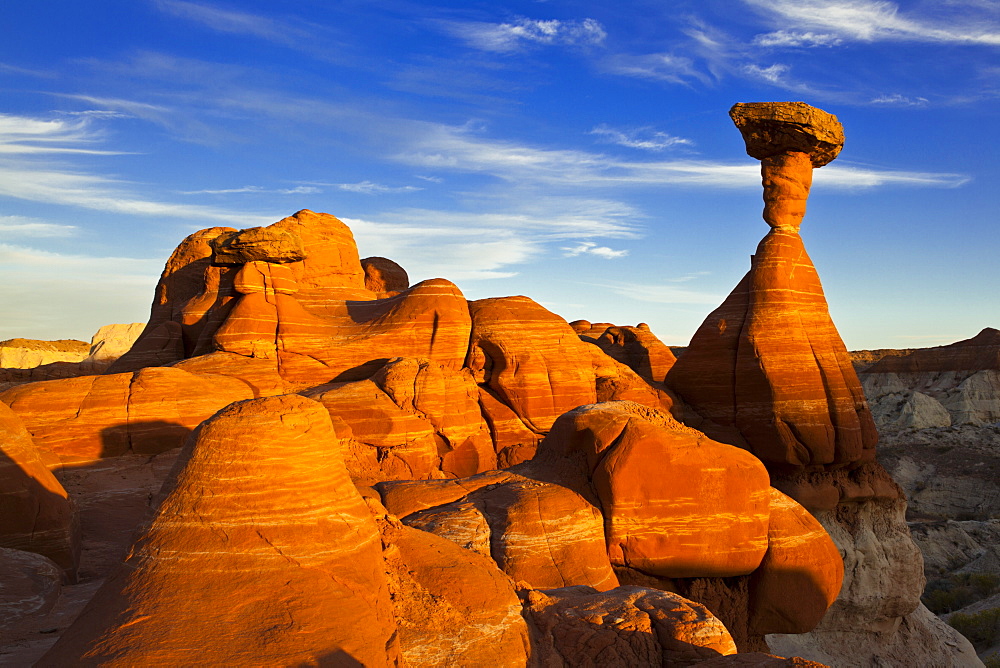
(29, 587)
(238, 553)
(36, 514)
(625, 626)
(146, 412)
(772, 128)
(540, 533)
(384, 277)
(697, 518)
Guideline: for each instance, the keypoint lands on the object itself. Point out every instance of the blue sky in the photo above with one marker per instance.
(576, 152)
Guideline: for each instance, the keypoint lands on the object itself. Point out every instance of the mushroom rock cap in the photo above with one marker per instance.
(772, 128)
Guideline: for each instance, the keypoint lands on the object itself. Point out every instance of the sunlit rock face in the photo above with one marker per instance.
(768, 372)
(36, 514)
(389, 474)
(262, 544)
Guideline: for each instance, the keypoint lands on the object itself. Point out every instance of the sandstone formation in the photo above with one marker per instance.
(146, 412)
(376, 473)
(539, 533)
(769, 372)
(35, 513)
(280, 563)
(626, 626)
(29, 587)
(384, 277)
(29, 353)
(637, 347)
(24, 361)
(702, 520)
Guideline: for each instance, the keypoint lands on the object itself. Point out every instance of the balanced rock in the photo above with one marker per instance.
(262, 552)
(267, 244)
(768, 367)
(36, 514)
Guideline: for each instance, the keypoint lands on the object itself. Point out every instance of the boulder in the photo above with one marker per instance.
(625, 626)
(29, 587)
(453, 607)
(539, 533)
(261, 552)
(676, 503)
(773, 128)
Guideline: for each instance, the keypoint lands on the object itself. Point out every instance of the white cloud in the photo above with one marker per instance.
(897, 100)
(22, 226)
(643, 138)
(24, 135)
(656, 66)
(591, 248)
(370, 188)
(773, 74)
(241, 23)
(513, 36)
(876, 20)
(298, 190)
(786, 38)
(460, 149)
(90, 191)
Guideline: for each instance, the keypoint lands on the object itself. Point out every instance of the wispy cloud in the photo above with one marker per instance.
(897, 100)
(100, 193)
(876, 20)
(24, 135)
(370, 188)
(516, 35)
(298, 190)
(786, 38)
(591, 248)
(461, 149)
(22, 226)
(666, 67)
(237, 22)
(643, 138)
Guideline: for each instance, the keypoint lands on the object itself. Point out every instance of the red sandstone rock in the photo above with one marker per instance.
(35, 513)
(638, 348)
(800, 575)
(532, 361)
(768, 367)
(152, 410)
(626, 626)
(413, 419)
(530, 358)
(384, 277)
(978, 353)
(261, 553)
(759, 660)
(454, 607)
(29, 588)
(676, 503)
(543, 534)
